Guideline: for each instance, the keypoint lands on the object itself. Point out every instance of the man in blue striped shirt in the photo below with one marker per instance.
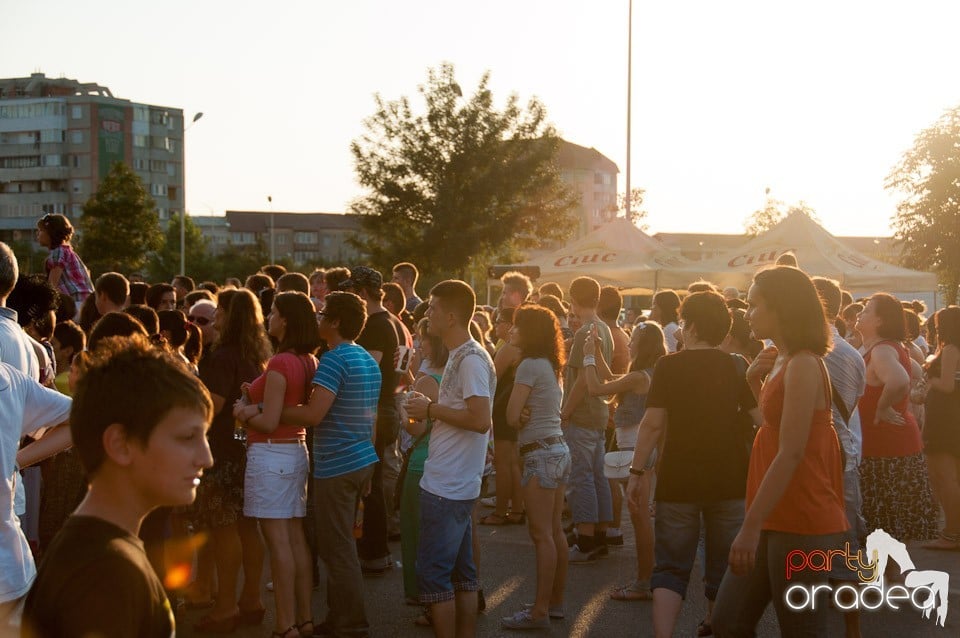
(343, 407)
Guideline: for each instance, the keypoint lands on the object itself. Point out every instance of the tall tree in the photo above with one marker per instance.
(927, 221)
(462, 181)
(773, 212)
(119, 227)
(637, 213)
(165, 263)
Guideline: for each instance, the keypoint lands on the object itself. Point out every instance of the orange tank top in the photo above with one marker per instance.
(885, 439)
(813, 501)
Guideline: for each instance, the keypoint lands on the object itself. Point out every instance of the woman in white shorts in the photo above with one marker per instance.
(275, 482)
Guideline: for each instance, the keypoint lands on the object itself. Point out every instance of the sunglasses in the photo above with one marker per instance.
(200, 321)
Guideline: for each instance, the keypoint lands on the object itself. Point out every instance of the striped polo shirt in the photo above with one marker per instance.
(342, 442)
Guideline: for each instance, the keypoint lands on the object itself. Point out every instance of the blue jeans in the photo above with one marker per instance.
(551, 466)
(589, 496)
(743, 599)
(445, 554)
(676, 534)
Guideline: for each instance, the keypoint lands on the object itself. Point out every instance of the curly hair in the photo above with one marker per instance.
(243, 328)
(540, 335)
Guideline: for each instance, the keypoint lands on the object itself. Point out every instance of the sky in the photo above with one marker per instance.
(816, 101)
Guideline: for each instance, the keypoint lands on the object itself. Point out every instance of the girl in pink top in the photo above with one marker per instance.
(65, 271)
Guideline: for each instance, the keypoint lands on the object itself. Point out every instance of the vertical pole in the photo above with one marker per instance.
(183, 236)
(629, 89)
(273, 256)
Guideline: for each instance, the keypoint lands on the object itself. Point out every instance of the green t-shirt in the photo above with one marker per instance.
(592, 412)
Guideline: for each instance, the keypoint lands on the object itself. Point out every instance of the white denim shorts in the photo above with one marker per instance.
(275, 482)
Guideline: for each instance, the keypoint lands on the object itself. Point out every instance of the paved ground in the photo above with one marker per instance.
(507, 573)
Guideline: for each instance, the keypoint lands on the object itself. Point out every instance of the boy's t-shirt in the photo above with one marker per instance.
(95, 580)
(591, 413)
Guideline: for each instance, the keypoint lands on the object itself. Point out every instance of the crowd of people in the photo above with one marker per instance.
(162, 442)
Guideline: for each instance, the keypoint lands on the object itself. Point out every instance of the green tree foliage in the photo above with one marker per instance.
(461, 181)
(165, 263)
(927, 221)
(119, 227)
(774, 212)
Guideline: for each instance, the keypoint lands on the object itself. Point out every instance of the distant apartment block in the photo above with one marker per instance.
(594, 177)
(59, 138)
(300, 237)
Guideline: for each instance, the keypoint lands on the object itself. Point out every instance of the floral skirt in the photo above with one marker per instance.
(897, 497)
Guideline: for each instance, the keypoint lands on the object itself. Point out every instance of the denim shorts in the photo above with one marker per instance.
(676, 534)
(445, 554)
(551, 466)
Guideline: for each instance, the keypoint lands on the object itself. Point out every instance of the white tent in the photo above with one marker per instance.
(819, 254)
(616, 254)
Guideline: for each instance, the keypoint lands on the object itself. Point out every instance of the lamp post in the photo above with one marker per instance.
(183, 213)
(273, 259)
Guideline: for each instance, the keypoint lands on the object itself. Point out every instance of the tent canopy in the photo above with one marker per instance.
(616, 254)
(818, 253)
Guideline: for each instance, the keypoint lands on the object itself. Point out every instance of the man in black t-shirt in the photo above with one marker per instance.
(380, 337)
(143, 445)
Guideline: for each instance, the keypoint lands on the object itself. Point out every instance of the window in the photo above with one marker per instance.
(281, 240)
(171, 192)
(141, 114)
(76, 186)
(76, 137)
(52, 135)
(76, 210)
(158, 166)
(163, 214)
(52, 160)
(28, 161)
(158, 190)
(76, 112)
(75, 161)
(305, 238)
(140, 141)
(243, 238)
(140, 164)
(171, 169)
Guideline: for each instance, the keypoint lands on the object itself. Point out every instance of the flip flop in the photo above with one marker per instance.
(637, 590)
(495, 519)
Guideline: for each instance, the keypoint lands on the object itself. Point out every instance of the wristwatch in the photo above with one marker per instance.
(637, 472)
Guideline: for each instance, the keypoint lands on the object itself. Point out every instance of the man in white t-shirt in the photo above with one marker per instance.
(462, 418)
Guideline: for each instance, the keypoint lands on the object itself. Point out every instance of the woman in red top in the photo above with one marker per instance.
(275, 482)
(794, 496)
(893, 473)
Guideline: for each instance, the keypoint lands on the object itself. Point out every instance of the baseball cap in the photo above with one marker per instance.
(362, 277)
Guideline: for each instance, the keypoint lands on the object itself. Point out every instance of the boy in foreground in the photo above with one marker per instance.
(138, 422)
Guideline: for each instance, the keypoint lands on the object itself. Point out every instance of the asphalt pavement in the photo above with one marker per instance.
(507, 572)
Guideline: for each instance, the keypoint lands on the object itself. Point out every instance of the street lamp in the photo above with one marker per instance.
(183, 213)
(629, 87)
(273, 259)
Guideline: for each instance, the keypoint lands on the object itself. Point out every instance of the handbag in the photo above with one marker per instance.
(616, 465)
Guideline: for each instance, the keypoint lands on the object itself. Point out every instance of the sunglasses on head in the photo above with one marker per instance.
(200, 321)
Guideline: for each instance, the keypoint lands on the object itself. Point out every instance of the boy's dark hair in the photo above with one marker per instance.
(138, 293)
(129, 382)
(551, 288)
(335, 276)
(737, 304)
(409, 270)
(913, 323)
(185, 282)
(787, 259)
(394, 294)
(440, 351)
(585, 292)
(156, 292)
(258, 282)
(293, 281)
(708, 313)
(457, 297)
(301, 334)
(209, 286)
(702, 286)
(70, 335)
(146, 316)
(89, 315)
(33, 297)
(830, 295)
(196, 295)
(893, 324)
(174, 322)
(609, 304)
(792, 297)
(553, 304)
(114, 324)
(349, 310)
(669, 302)
(114, 285)
(420, 311)
(58, 228)
(67, 310)
(274, 271)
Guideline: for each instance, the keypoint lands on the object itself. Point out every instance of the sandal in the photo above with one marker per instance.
(637, 590)
(495, 519)
(946, 542)
(704, 629)
(517, 518)
(304, 633)
(283, 634)
(425, 619)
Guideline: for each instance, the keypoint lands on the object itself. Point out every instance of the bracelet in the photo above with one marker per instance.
(428, 409)
(637, 472)
(589, 360)
(260, 407)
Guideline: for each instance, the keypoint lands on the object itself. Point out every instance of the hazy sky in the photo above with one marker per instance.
(816, 100)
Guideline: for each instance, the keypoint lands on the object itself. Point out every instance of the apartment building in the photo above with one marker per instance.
(594, 177)
(59, 137)
(300, 237)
